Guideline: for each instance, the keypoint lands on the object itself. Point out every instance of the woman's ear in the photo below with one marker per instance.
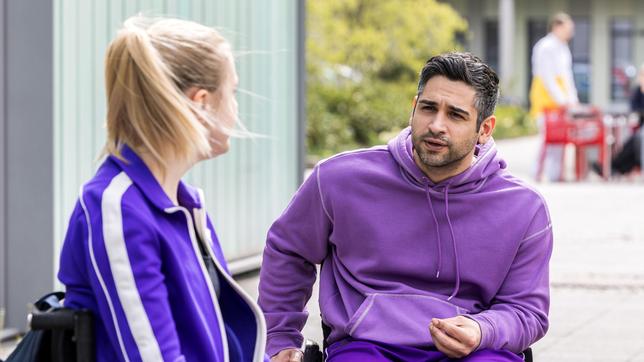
(197, 95)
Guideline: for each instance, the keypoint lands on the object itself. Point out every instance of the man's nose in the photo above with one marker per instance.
(438, 123)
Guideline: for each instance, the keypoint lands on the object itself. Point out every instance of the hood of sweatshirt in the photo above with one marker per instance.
(486, 163)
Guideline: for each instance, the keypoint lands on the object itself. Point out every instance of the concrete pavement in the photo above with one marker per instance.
(597, 273)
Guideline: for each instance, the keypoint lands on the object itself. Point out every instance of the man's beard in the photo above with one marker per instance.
(455, 152)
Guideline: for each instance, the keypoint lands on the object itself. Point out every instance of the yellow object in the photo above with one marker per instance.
(540, 98)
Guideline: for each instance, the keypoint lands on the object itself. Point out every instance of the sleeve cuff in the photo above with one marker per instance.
(278, 342)
(487, 330)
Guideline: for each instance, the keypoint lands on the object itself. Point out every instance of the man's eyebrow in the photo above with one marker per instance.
(451, 107)
(427, 102)
(459, 110)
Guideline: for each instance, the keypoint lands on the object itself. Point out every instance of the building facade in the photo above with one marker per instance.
(608, 47)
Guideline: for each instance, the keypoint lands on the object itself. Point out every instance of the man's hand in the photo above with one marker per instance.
(456, 337)
(288, 355)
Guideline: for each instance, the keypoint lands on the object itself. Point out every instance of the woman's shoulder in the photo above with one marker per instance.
(108, 189)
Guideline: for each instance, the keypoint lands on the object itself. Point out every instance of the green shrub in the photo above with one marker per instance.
(513, 121)
(363, 59)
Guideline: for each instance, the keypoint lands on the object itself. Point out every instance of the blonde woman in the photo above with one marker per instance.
(140, 250)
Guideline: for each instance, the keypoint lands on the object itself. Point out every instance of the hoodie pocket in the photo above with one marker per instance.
(399, 318)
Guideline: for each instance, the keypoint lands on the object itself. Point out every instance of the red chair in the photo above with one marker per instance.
(582, 127)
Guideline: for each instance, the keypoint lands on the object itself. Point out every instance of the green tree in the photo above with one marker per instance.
(363, 58)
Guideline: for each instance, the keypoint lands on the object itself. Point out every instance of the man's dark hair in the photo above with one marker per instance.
(471, 70)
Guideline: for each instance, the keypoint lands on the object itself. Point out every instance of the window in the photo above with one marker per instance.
(580, 49)
(537, 29)
(622, 70)
(491, 50)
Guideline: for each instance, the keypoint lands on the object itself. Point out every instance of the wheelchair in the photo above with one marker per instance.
(57, 334)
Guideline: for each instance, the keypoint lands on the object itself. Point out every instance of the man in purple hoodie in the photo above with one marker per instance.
(429, 248)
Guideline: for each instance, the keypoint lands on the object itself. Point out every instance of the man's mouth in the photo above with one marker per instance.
(434, 144)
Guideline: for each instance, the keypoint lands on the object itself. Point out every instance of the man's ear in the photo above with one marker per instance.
(486, 129)
(413, 108)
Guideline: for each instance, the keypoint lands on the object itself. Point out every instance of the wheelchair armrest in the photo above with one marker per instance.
(61, 322)
(312, 352)
(59, 319)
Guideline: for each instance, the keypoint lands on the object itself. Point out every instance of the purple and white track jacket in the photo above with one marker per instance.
(132, 257)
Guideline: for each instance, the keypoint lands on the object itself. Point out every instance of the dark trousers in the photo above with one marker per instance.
(350, 350)
(629, 156)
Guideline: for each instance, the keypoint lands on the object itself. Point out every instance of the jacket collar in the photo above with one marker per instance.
(142, 177)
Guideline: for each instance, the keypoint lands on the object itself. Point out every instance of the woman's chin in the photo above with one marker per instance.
(218, 150)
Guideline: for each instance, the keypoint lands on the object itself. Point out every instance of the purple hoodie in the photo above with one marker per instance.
(398, 250)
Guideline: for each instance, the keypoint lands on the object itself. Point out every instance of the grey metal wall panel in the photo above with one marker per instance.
(28, 146)
(3, 143)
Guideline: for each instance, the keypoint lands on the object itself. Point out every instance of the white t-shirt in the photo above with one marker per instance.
(551, 58)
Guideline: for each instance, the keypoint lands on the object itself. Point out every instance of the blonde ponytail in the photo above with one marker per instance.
(148, 66)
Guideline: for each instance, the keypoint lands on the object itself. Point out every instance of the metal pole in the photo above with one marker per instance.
(506, 42)
(301, 89)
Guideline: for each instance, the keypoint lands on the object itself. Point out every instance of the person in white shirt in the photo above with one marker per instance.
(552, 82)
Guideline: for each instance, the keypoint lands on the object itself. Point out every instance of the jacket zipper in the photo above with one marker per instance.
(213, 297)
(260, 344)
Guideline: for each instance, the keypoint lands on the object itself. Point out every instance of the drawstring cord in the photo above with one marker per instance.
(438, 235)
(451, 230)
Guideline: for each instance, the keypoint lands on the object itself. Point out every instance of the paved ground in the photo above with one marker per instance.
(597, 269)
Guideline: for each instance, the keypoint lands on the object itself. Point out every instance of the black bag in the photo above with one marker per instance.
(57, 333)
(29, 349)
